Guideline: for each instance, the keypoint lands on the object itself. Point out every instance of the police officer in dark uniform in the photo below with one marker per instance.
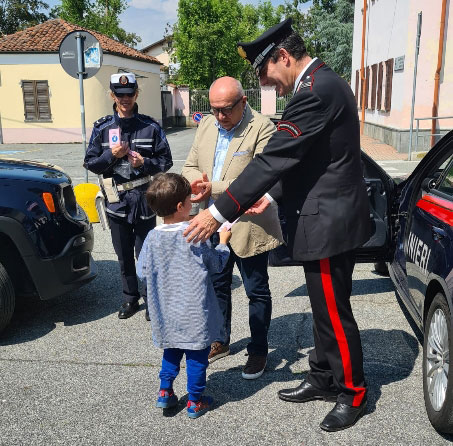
(125, 150)
(311, 166)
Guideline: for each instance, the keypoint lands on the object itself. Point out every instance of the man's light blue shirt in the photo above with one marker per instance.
(223, 142)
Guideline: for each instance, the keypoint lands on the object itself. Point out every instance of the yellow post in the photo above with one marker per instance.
(85, 194)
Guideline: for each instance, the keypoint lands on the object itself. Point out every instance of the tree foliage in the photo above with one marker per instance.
(98, 15)
(16, 15)
(205, 36)
(205, 39)
(327, 29)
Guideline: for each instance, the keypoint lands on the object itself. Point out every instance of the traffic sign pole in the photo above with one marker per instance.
(80, 72)
(81, 57)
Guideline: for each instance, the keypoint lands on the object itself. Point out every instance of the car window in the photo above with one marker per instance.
(446, 184)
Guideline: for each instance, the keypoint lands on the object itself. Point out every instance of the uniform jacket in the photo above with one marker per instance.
(312, 163)
(251, 235)
(146, 137)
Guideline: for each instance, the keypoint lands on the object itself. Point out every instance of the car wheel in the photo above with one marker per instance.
(437, 388)
(7, 298)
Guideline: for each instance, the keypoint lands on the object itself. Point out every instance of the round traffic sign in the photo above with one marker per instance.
(197, 116)
(91, 57)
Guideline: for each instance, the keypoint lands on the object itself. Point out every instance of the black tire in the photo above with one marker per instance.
(441, 417)
(7, 298)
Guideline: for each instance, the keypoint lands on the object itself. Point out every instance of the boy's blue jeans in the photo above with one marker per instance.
(196, 365)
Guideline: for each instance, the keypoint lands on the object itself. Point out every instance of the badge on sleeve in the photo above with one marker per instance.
(289, 127)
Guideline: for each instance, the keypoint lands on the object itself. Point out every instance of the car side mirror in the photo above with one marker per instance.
(428, 184)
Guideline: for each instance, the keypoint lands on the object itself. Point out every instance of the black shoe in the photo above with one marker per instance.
(147, 315)
(343, 416)
(128, 309)
(306, 392)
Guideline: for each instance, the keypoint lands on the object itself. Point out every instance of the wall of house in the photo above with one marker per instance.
(391, 32)
(64, 96)
(159, 54)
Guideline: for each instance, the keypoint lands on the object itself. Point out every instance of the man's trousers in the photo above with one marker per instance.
(336, 363)
(255, 278)
(126, 239)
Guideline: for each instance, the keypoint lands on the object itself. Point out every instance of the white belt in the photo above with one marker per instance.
(133, 184)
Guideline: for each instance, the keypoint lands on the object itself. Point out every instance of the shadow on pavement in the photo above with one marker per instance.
(389, 356)
(34, 318)
(359, 287)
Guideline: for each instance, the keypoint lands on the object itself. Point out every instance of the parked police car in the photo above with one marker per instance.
(414, 234)
(45, 237)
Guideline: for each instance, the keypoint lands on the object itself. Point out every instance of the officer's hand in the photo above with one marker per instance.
(259, 207)
(201, 188)
(135, 159)
(120, 150)
(201, 227)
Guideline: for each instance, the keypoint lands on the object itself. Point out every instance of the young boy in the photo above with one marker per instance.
(183, 308)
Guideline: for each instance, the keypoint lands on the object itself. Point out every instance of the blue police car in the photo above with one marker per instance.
(413, 232)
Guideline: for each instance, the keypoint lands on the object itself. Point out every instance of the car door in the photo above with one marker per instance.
(381, 190)
(428, 242)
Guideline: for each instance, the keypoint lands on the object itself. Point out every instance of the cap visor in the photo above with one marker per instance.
(124, 90)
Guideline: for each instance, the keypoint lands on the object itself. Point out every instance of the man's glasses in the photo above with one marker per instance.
(225, 110)
(121, 95)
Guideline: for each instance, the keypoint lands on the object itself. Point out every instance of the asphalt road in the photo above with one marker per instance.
(72, 373)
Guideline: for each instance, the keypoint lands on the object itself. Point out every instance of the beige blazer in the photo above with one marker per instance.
(251, 235)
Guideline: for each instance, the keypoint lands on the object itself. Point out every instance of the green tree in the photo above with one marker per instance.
(16, 15)
(98, 15)
(327, 29)
(205, 38)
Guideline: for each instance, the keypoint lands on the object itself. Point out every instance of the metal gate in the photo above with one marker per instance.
(199, 100)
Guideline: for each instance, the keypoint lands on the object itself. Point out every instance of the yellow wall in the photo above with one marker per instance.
(65, 101)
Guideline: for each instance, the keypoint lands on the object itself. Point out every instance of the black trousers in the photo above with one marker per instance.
(336, 362)
(126, 239)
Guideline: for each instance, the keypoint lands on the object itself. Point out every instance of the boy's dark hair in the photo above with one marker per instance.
(166, 191)
(295, 46)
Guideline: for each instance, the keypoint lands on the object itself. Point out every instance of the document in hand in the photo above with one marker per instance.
(227, 225)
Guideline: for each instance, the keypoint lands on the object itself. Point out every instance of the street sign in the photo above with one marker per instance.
(399, 63)
(197, 116)
(92, 54)
(81, 57)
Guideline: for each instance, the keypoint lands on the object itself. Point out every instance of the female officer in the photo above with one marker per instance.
(125, 149)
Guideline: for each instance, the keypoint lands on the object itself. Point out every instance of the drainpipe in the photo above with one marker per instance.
(362, 67)
(438, 69)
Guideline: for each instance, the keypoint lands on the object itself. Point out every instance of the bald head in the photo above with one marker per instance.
(227, 100)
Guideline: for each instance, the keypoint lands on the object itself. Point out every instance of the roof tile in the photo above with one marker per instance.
(46, 37)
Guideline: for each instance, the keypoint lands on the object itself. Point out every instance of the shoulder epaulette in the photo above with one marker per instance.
(146, 118)
(102, 120)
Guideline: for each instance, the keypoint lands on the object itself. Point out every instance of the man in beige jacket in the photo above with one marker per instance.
(224, 144)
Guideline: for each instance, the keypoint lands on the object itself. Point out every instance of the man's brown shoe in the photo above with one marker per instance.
(218, 350)
(254, 367)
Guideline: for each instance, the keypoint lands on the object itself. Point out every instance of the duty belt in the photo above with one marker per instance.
(133, 184)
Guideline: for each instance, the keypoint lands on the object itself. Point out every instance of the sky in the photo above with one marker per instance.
(148, 18)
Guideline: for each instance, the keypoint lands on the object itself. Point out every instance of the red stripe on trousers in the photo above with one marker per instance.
(339, 332)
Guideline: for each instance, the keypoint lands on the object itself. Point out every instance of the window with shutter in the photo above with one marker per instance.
(357, 80)
(379, 86)
(373, 86)
(367, 85)
(388, 85)
(36, 101)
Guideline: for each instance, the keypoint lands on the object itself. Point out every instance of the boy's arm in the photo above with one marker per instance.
(216, 258)
(141, 263)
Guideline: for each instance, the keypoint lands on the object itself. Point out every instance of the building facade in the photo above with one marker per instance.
(389, 59)
(40, 102)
